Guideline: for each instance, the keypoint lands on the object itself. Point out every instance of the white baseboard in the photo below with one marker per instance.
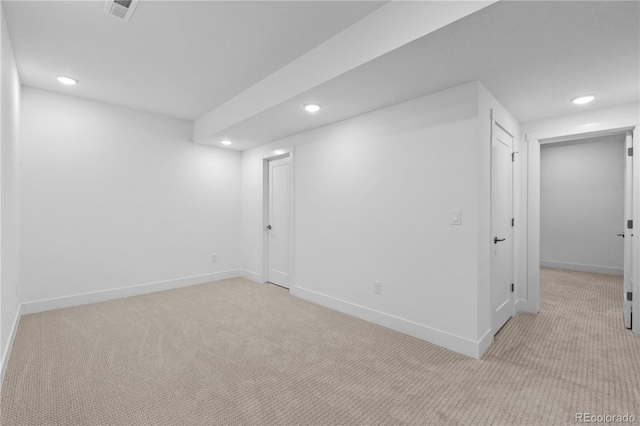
(117, 293)
(582, 268)
(437, 337)
(485, 342)
(12, 338)
(523, 305)
(252, 276)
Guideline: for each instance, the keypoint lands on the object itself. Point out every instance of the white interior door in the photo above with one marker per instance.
(501, 226)
(628, 215)
(278, 222)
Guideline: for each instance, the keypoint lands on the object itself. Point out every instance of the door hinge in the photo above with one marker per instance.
(513, 288)
(629, 296)
(513, 221)
(630, 224)
(513, 156)
(630, 152)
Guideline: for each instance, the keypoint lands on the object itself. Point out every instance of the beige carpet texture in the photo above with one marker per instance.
(234, 352)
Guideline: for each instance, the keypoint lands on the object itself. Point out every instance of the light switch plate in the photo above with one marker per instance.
(456, 217)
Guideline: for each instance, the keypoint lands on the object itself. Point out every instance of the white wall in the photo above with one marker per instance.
(114, 198)
(581, 121)
(9, 194)
(373, 198)
(582, 204)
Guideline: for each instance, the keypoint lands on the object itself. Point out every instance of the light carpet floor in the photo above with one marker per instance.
(239, 353)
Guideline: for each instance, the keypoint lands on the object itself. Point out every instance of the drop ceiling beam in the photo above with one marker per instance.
(387, 28)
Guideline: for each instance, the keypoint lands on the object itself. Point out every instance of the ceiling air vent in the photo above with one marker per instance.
(121, 9)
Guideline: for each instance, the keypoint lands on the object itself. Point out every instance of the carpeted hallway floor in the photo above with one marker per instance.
(235, 352)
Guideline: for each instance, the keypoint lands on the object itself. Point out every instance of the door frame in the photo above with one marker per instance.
(498, 119)
(277, 155)
(628, 213)
(562, 134)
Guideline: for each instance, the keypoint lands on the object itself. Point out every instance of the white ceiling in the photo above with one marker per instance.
(533, 56)
(176, 58)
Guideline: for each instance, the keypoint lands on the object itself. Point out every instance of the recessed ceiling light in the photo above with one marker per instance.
(67, 80)
(583, 99)
(225, 142)
(312, 107)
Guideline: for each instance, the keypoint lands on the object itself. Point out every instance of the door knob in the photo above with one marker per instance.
(268, 227)
(496, 240)
(620, 235)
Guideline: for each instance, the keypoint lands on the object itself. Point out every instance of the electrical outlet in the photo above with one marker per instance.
(214, 257)
(377, 287)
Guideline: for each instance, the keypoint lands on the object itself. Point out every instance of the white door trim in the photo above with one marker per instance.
(628, 241)
(635, 242)
(533, 200)
(498, 119)
(276, 155)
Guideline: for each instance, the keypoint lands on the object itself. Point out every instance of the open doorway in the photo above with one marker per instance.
(582, 204)
(582, 209)
(628, 126)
